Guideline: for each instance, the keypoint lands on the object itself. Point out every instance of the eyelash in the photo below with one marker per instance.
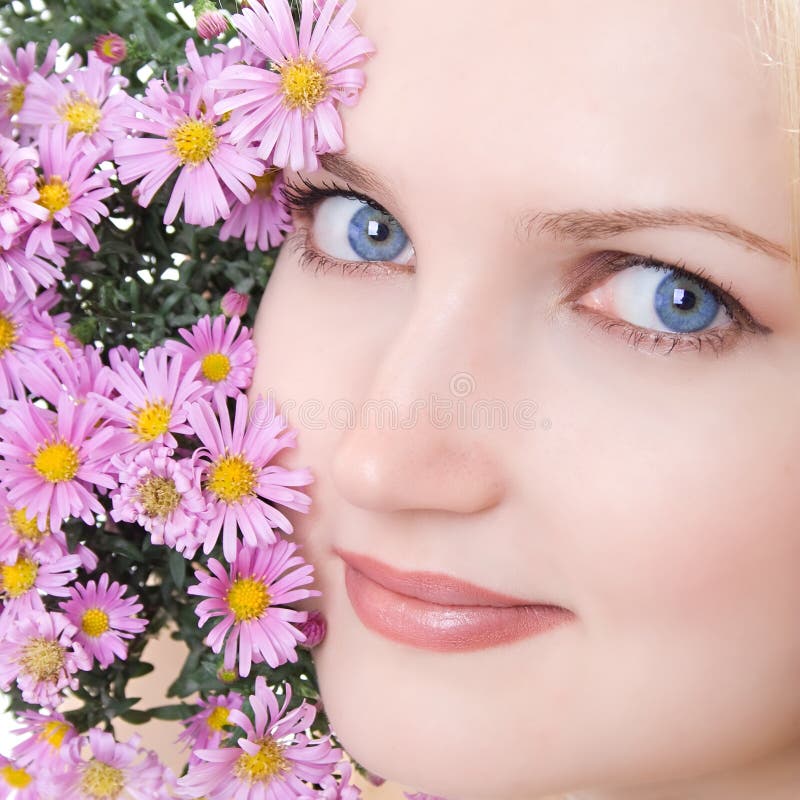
(304, 201)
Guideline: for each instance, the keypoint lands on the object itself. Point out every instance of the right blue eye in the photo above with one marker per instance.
(349, 229)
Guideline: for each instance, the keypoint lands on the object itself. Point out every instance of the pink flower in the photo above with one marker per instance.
(48, 735)
(111, 48)
(14, 77)
(206, 728)
(187, 136)
(225, 352)
(71, 190)
(40, 654)
(76, 373)
(234, 304)
(290, 107)
(23, 578)
(249, 600)
(150, 404)
(19, 782)
(18, 193)
(53, 460)
(103, 618)
(238, 478)
(271, 761)
(314, 629)
(210, 22)
(163, 495)
(28, 273)
(333, 789)
(264, 219)
(87, 100)
(102, 768)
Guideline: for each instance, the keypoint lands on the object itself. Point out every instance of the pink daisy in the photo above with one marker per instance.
(332, 788)
(225, 352)
(76, 373)
(47, 735)
(290, 107)
(40, 654)
(151, 404)
(14, 76)
(18, 192)
(71, 190)
(22, 579)
(264, 219)
(21, 534)
(273, 758)
(28, 273)
(50, 333)
(103, 618)
(87, 100)
(163, 495)
(53, 460)
(19, 782)
(104, 769)
(18, 339)
(238, 479)
(206, 728)
(249, 599)
(186, 135)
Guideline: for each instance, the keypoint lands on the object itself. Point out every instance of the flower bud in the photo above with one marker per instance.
(314, 628)
(211, 22)
(111, 48)
(234, 304)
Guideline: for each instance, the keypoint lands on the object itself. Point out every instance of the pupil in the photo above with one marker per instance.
(378, 230)
(683, 299)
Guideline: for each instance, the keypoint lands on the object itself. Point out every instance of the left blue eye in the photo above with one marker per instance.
(349, 229)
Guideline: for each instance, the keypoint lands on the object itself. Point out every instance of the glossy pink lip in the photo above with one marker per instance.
(438, 612)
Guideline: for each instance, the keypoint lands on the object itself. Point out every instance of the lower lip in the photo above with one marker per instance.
(430, 626)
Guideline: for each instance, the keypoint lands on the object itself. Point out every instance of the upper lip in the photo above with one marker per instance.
(433, 587)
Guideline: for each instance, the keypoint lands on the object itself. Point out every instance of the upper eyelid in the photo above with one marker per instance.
(334, 190)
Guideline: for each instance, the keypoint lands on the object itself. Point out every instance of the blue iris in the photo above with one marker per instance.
(375, 236)
(683, 305)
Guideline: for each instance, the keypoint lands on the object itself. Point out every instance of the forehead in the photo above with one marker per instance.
(557, 100)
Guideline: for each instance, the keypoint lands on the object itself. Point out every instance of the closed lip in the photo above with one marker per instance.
(432, 587)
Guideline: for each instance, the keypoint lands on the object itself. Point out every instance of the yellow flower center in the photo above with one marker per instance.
(194, 141)
(19, 577)
(248, 599)
(108, 48)
(102, 781)
(54, 732)
(264, 765)
(8, 333)
(94, 622)
(227, 675)
(53, 195)
(16, 777)
(81, 114)
(57, 461)
(231, 478)
(25, 527)
(158, 496)
(216, 366)
(43, 659)
(218, 718)
(264, 183)
(303, 82)
(15, 97)
(151, 421)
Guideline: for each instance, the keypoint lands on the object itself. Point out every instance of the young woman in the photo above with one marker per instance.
(556, 258)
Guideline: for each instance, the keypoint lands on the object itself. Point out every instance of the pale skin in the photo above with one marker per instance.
(660, 502)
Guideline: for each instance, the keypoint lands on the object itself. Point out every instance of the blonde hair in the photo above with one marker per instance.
(777, 27)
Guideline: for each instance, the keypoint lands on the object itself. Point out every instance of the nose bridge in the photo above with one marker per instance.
(423, 450)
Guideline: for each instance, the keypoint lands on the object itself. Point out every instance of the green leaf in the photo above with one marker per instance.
(177, 568)
(172, 712)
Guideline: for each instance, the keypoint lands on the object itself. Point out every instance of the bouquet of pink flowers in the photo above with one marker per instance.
(137, 489)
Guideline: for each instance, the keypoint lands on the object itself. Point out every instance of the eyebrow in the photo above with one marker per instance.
(582, 225)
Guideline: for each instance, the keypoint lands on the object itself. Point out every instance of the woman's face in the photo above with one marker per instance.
(649, 482)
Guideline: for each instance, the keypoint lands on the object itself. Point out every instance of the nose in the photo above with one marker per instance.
(423, 448)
